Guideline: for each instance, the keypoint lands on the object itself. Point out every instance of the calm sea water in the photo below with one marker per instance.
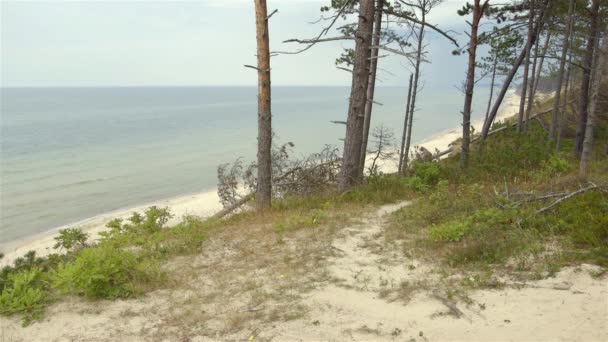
(71, 153)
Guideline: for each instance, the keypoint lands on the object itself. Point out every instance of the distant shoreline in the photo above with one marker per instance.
(206, 203)
(202, 204)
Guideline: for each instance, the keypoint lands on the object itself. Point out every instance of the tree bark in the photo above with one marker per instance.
(540, 64)
(405, 122)
(491, 88)
(509, 79)
(560, 77)
(349, 172)
(264, 167)
(586, 79)
(564, 101)
(415, 84)
(530, 103)
(478, 10)
(599, 67)
(372, 83)
(524, 85)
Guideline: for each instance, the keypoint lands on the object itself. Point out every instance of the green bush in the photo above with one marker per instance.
(415, 183)
(71, 239)
(452, 231)
(24, 292)
(490, 235)
(428, 172)
(153, 220)
(103, 272)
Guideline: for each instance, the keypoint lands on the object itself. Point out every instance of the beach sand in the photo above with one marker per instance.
(206, 203)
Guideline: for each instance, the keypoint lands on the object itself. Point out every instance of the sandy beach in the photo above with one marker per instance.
(204, 204)
(200, 204)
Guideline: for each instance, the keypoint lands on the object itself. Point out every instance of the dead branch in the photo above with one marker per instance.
(570, 195)
(414, 20)
(323, 32)
(271, 14)
(318, 40)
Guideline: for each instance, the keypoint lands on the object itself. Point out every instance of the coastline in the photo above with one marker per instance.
(442, 140)
(206, 203)
(201, 204)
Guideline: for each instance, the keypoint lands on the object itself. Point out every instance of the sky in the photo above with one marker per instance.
(204, 42)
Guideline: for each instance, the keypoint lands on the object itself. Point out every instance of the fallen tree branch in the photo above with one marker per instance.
(570, 195)
(275, 183)
(234, 206)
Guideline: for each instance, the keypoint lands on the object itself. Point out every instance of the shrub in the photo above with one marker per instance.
(103, 272)
(153, 220)
(24, 292)
(452, 231)
(71, 239)
(415, 183)
(427, 171)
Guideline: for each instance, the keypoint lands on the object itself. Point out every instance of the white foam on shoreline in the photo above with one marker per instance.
(205, 204)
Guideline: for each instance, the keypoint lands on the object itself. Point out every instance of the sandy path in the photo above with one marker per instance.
(365, 291)
(572, 306)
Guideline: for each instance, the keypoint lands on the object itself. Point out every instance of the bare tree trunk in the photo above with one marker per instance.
(491, 88)
(599, 67)
(530, 103)
(415, 85)
(509, 79)
(478, 10)
(405, 122)
(264, 181)
(542, 61)
(524, 85)
(564, 102)
(372, 83)
(586, 80)
(349, 173)
(560, 77)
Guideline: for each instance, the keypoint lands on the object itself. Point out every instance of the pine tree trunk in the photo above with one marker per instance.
(415, 86)
(491, 88)
(524, 85)
(470, 85)
(586, 80)
(401, 169)
(264, 180)
(563, 104)
(599, 68)
(540, 64)
(372, 83)
(509, 78)
(530, 103)
(560, 76)
(349, 173)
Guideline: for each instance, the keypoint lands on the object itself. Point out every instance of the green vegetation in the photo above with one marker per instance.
(70, 239)
(126, 261)
(487, 217)
(103, 272)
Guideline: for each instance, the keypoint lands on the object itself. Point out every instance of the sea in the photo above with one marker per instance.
(67, 154)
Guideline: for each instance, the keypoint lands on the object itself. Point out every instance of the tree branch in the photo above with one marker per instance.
(414, 20)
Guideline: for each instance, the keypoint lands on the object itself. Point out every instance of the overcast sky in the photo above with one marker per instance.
(204, 42)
